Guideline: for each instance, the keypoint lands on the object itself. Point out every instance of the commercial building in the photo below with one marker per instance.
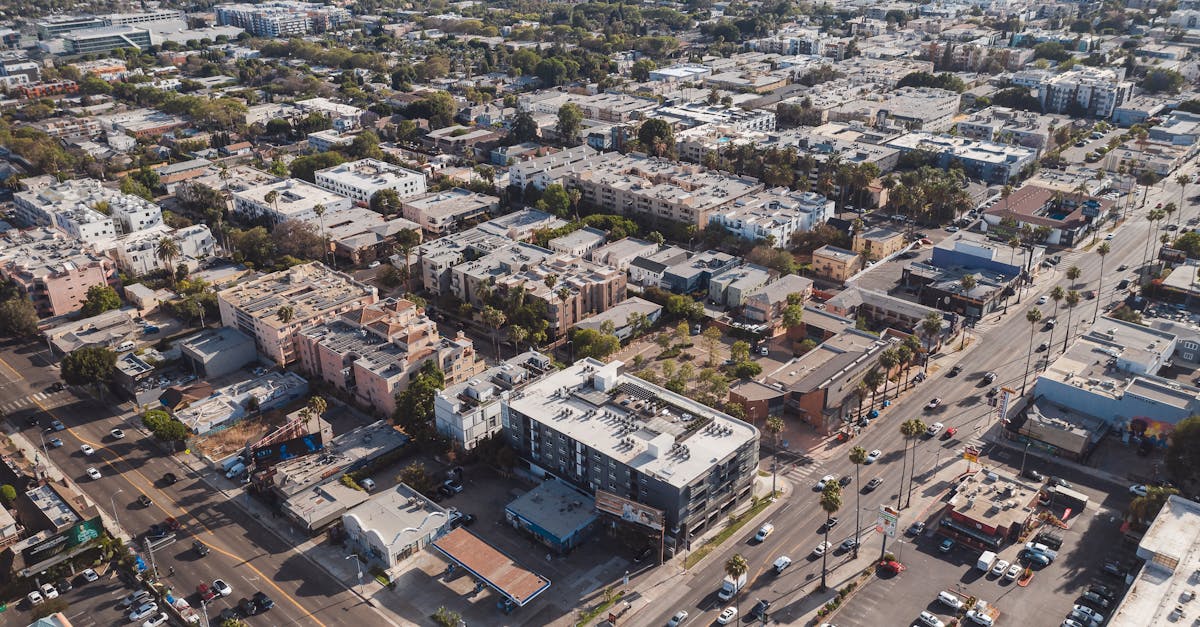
(989, 510)
(392, 526)
(774, 215)
(107, 330)
(915, 108)
(214, 353)
(54, 26)
(52, 271)
(659, 189)
(374, 352)
(105, 39)
(273, 308)
(879, 309)
(282, 18)
(1087, 90)
(469, 412)
(993, 162)
(360, 180)
(600, 429)
(942, 287)
(444, 212)
(230, 404)
(555, 514)
(288, 199)
(976, 252)
(147, 17)
(1163, 588)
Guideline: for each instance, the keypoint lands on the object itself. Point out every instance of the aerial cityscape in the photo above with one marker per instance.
(381, 312)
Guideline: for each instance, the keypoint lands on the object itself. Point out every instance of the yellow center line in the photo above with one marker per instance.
(182, 513)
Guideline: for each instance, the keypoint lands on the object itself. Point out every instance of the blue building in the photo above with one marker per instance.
(555, 514)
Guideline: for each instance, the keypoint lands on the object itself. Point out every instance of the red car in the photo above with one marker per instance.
(172, 523)
(949, 433)
(892, 567)
(206, 593)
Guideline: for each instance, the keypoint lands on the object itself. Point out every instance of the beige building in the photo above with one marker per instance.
(836, 264)
(273, 308)
(374, 352)
(52, 271)
(880, 243)
(444, 212)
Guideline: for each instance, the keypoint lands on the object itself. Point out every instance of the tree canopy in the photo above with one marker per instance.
(100, 298)
(91, 365)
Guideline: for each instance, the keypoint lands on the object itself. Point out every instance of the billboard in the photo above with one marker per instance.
(275, 452)
(629, 511)
(82, 533)
(971, 454)
(886, 523)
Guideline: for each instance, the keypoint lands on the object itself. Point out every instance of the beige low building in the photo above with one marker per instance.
(835, 264)
(878, 243)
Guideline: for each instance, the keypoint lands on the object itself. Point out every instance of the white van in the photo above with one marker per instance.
(126, 346)
(235, 471)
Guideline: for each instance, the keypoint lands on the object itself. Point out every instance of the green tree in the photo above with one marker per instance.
(1072, 300)
(793, 316)
(775, 427)
(931, 330)
(889, 359)
(641, 69)
(495, 319)
(18, 318)
(524, 128)
(735, 567)
(911, 429)
(1143, 509)
(831, 502)
(740, 351)
(656, 137)
(570, 119)
(1073, 274)
(1103, 249)
(8, 494)
(305, 167)
(556, 200)
(1183, 452)
(593, 343)
(712, 339)
(1160, 80)
(1033, 316)
(858, 457)
(100, 298)
(414, 405)
(386, 202)
(164, 427)
(91, 365)
(873, 379)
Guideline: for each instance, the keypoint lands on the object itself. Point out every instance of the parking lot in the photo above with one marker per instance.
(87, 603)
(1093, 538)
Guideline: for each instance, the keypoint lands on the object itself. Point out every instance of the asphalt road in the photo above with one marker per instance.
(1001, 347)
(243, 553)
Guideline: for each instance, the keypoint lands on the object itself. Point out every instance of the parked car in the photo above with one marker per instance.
(87, 450)
(263, 602)
(949, 599)
(49, 591)
(206, 592)
(946, 546)
(156, 620)
(1013, 572)
(728, 615)
(1000, 567)
(848, 544)
(1035, 475)
(35, 598)
(934, 428)
(90, 575)
(1138, 490)
(1094, 599)
(916, 528)
(143, 611)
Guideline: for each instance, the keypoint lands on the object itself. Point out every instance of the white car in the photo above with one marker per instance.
(763, 532)
(678, 618)
(1109, 237)
(155, 621)
(1013, 572)
(929, 619)
(143, 611)
(35, 598)
(874, 455)
(1138, 490)
(933, 404)
(728, 615)
(949, 599)
(87, 450)
(221, 587)
(979, 618)
(1096, 617)
(825, 480)
(1000, 567)
(49, 591)
(934, 429)
(821, 549)
(1042, 299)
(93, 473)
(90, 575)
(117, 434)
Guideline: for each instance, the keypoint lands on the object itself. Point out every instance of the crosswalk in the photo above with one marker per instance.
(32, 400)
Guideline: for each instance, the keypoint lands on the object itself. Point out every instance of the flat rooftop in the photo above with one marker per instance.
(490, 565)
(994, 499)
(1171, 548)
(556, 508)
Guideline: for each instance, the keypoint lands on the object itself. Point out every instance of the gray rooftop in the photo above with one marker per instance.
(556, 508)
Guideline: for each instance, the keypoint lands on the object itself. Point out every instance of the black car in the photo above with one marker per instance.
(445, 492)
(33, 421)
(200, 548)
(1103, 591)
(1114, 568)
(1035, 475)
(831, 523)
(955, 371)
(760, 608)
(63, 586)
(144, 500)
(58, 387)
(845, 480)
(263, 602)
(872, 484)
(247, 607)
(228, 614)
(170, 478)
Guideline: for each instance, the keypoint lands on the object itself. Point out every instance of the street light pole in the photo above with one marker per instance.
(1025, 454)
(357, 567)
(113, 502)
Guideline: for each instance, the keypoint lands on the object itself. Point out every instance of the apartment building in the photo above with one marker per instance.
(552, 168)
(598, 428)
(66, 127)
(1092, 91)
(71, 206)
(282, 18)
(835, 264)
(662, 190)
(444, 212)
(108, 69)
(621, 253)
(914, 108)
(577, 290)
(374, 352)
(273, 308)
(137, 253)
(991, 161)
(612, 107)
(360, 180)
(1004, 125)
(287, 199)
(52, 271)
(774, 215)
(765, 305)
(736, 119)
(142, 122)
(469, 411)
(46, 89)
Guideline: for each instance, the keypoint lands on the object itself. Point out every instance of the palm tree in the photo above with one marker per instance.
(1073, 274)
(873, 379)
(319, 210)
(888, 359)
(1072, 300)
(931, 325)
(774, 426)
(495, 319)
(286, 313)
(1143, 509)
(166, 251)
(1102, 250)
(1005, 192)
(1033, 316)
(271, 198)
(735, 567)
(1153, 216)
(858, 457)
(1014, 243)
(831, 502)
(1183, 180)
(1056, 295)
(910, 429)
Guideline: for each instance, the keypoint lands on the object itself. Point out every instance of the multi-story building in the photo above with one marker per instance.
(621, 253)
(736, 119)
(54, 26)
(148, 17)
(774, 215)
(274, 308)
(106, 39)
(731, 287)
(53, 272)
(766, 304)
(914, 108)
(580, 288)
(137, 253)
(288, 199)
(439, 257)
(878, 242)
(1092, 91)
(74, 207)
(659, 189)
(374, 352)
(548, 169)
(598, 428)
(47, 88)
(65, 127)
(835, 264)
(444, 212)
(1004, 125)
(993, 162)
(359, 180)
(142, 122)
(469, 411)
(613, 107)
(282, 18)
(108, 69)
(1170, 554)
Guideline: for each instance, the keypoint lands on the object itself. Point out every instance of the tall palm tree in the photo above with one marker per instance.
(319, 210)
(1056, 295)
(1014, 243)
(735, 567)
(495, 319)
(1183, 180)
(1153, 216)
(911, 429)
(1073, 274)
(889, 359)
(272, 198)
(1033, 316)
(1102, 250)
(831, 502)
(858, 457)
(1072, 300)
(166, 251)
(861, 390)
(906, 356)
(873, 379)
(774, 426)
(931, 328)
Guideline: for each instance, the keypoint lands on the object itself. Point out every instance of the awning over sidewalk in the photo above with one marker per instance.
(492, 567)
